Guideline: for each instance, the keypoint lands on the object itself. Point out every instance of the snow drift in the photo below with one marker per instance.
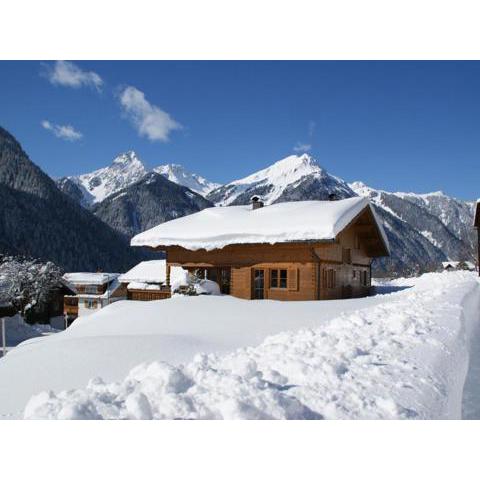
(404, 358)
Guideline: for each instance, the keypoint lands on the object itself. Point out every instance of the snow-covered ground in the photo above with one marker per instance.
(402, 354)
(17, 331)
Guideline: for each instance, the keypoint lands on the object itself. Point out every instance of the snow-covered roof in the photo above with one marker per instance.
(143, 286)
(218, 227)
(89, 278)
(450, 264)
(153, 271)
(143, 275)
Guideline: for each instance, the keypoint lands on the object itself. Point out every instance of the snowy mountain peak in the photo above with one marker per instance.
(363, 190)
(178, 174)
(285, 171)
(124, 170)
(129, 160)
(291, 178)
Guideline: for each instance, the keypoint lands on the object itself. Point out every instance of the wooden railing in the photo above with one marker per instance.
(148, 295)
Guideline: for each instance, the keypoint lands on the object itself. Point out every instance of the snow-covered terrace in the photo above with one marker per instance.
(149, 275)
(218, 227)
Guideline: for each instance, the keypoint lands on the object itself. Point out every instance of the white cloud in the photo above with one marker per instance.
(68, 74)
(65, 132)
(149, 120)
(302, 147)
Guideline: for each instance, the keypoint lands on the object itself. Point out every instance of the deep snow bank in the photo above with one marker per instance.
(17, 330)
(404, 358)
(112, 341)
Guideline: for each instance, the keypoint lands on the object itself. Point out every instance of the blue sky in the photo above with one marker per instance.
(407, 126)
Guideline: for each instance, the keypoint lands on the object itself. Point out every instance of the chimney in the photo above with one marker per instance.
(332, 197)
(256, 202)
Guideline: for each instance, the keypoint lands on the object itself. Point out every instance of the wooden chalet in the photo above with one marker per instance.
(307, 250)
(476, 224)
(92, 292)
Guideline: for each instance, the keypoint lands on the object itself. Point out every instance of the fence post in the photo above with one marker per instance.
(4, 339)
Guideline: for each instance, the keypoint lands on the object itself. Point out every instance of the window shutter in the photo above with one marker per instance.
(292, 279)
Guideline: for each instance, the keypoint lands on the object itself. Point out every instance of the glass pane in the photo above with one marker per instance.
(283, 279)
(258, 283)
(274, 278)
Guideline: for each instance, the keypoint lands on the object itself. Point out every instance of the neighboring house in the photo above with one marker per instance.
(304, 250)
(476, 224)
(147, 280)
(93, 292)
(54, 307)
(462, 265)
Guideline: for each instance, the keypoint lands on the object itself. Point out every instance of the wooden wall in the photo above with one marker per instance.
(303, 288)
(99, 289)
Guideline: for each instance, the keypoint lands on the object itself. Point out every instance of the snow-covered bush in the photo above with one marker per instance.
(207, 287)
(197, 285)
(30, 284)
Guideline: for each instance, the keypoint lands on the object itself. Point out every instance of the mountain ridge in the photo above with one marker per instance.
(126, 169)
(425, 229)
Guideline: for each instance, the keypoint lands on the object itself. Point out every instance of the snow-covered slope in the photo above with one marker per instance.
(178, 174)
(401, 355)
(292, 178)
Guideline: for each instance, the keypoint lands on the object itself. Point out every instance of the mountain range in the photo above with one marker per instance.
(126, 169)
(423, 229)
(125, 198)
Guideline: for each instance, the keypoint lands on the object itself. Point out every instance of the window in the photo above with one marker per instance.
(354, 274)
(332, 278)
(365, 278)
(346, 255)
(90, 289)
(89, 303)
(329, 278)
(278, 278)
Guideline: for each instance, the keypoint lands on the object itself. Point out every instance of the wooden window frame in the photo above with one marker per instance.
(277, 278)
(329, 278)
